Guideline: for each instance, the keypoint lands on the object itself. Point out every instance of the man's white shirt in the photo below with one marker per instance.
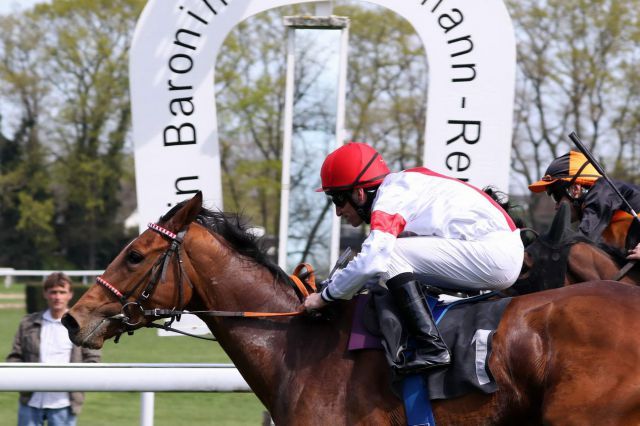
(55, 348)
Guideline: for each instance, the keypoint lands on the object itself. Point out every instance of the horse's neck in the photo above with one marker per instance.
(274, 355)
(587, 262)
(266, 351)
(231, 282)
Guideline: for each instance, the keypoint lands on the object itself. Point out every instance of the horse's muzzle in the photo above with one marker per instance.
(70, 324)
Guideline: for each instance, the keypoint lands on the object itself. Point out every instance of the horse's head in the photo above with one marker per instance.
(545, 259)
(133, 282)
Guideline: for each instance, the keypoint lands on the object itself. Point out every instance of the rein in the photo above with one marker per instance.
(304, 282)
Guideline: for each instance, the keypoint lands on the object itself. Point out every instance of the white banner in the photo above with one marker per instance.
(470, 48)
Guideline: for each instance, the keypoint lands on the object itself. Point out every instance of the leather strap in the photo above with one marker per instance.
(302, 281)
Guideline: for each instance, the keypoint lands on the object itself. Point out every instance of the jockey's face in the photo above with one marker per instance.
(348, 211)
(562, 193)
(558, 192)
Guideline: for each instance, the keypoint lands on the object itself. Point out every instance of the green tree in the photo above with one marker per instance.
(87, 53)
(577, 70)
(65, 63)
(26, 204)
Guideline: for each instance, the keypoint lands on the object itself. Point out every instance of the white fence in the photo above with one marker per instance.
(103, 377)
(10, 273)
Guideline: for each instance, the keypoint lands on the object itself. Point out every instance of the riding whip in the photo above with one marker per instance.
(576, 140)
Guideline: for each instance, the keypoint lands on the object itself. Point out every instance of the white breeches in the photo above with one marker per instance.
(493, 263)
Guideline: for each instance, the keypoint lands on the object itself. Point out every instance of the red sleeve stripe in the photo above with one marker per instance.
(429, 172)
(385, 222)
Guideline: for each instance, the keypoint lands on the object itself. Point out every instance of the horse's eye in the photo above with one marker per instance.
(134, 257)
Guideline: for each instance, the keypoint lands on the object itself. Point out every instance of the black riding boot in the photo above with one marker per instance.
(431, 351)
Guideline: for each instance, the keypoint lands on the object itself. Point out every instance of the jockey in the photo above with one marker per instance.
(600, 211)
(424, 226)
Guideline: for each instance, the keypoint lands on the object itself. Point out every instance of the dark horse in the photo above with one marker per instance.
(560, 357)
(563, 257)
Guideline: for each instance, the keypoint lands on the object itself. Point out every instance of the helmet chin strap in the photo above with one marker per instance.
(364, 211)
(577, 201)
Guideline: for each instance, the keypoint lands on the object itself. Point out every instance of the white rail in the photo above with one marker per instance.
(103, 377)
(9, 273)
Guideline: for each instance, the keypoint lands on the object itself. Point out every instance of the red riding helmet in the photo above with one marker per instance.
(353, 165)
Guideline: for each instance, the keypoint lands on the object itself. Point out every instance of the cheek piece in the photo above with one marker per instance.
(364, 211)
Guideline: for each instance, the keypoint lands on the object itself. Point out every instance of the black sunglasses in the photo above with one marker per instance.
(339, 198)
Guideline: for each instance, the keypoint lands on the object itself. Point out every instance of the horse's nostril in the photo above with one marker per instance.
(70, 323)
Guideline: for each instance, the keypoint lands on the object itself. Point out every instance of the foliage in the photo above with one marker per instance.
(577, 71)
(26, 216)
(64, 65)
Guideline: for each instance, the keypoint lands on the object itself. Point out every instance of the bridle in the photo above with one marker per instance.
(157, 274)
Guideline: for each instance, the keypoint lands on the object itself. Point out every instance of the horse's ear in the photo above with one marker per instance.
(186, 214)
(560, 223)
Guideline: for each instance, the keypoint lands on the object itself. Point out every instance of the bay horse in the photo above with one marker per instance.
(560, 357)
(562, 257)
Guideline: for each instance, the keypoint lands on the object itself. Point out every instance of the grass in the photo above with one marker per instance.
(13, 296)
(123, 408)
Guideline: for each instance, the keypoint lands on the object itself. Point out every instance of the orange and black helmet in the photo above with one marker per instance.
(572, 167)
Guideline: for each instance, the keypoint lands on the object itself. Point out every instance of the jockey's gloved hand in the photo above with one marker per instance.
(323, 284)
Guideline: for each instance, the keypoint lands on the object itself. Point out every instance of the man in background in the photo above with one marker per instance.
(41, 337)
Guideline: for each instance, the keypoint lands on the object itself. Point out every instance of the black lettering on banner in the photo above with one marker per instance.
(209, 6)
(186, 40)
(177, 41)
(466, 38)
(458, 161)
(474, 125)
(434, 7)
(185, 191)
(180, 63)
(193, 15)
(182, 103)
(448, 22)
(172, 87)
(173, 135)
(472, 67)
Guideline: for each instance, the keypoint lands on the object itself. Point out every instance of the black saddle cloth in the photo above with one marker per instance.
(467, 328)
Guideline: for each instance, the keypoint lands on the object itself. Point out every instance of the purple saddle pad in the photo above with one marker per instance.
(360, 337)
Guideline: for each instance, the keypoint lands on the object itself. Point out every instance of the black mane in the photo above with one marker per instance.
(234, 230)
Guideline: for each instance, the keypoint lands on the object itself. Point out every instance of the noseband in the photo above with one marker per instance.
(158, 273)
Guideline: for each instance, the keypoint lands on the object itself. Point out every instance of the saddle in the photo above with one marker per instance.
(467, 326)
